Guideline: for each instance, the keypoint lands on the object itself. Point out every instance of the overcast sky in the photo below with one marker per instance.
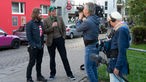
(84, 1)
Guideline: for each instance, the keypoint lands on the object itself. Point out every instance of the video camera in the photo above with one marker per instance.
(98, 10)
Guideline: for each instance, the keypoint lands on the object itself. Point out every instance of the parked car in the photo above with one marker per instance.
(6, 40)
(71, 31)
(21, 33)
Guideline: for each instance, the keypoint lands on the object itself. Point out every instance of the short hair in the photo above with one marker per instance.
(35, 13)
(91, 7)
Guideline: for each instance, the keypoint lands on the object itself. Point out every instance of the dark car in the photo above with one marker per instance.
(21, 33)
(6, 40)
(71, 31)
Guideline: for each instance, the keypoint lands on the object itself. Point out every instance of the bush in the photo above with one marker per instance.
(138, 34)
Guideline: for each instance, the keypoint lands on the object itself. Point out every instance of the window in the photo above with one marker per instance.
(17, 8)
(44, 9)
(106, 5)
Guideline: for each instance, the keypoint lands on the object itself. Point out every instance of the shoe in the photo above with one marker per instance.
(30, 80)
(41, 78)
(51, 78)
(72, 78)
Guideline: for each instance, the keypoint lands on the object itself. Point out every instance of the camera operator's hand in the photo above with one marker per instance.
(54, 24)
(81, 15)
(116, 71)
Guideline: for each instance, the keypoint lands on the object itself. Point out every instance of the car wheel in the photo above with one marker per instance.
(15, 43)
(71, 35)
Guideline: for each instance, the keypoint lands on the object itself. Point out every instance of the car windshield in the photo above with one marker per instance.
(1, 31)
(21, 28)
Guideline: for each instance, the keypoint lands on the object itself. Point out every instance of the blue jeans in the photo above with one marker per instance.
(91, 66)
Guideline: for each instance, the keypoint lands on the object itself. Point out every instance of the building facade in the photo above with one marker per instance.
(16, 13)
(112, 5)
(65, 8)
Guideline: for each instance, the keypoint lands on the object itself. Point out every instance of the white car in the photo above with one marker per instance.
(71, 31)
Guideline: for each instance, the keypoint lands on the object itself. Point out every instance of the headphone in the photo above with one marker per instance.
(112, 19)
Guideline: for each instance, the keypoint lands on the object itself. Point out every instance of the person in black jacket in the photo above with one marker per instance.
(34, 32)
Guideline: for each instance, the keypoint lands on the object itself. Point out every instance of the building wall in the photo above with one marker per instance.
(112, 6)
(6, 13)
(65, 12)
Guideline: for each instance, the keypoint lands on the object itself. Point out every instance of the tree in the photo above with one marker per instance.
(137, 11)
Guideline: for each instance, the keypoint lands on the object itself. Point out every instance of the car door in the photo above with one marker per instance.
(74, 30)
(77, 33)
(4, 40)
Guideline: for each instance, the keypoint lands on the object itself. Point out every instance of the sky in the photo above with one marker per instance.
(84, 1)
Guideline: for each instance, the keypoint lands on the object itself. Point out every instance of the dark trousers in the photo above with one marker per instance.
(35, 56)
(58, 43)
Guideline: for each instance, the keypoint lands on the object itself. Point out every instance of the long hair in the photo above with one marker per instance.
(35, 13)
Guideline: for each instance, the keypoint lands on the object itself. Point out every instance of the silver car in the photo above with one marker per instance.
(71, 31)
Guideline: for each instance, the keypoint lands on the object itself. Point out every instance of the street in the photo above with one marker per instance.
(13, 62)
(12, 57)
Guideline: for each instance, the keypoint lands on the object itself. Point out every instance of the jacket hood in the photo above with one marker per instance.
(94, 18)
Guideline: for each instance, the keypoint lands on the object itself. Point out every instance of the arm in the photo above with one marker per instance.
(63, 28)
(81, 26)
(47, 26)
(123, 41)
(29, 34)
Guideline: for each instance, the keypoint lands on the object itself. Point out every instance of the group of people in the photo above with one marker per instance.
(54, 27)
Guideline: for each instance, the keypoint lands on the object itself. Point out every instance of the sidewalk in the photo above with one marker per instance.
(75, 57)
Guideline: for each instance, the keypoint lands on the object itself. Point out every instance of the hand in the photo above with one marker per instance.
(54, 24)
(81, 15)
(116, 71)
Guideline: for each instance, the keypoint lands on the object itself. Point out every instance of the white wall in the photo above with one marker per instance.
(63, 3)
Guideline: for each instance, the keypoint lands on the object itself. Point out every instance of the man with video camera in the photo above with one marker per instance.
(90, 29)
(118, 65)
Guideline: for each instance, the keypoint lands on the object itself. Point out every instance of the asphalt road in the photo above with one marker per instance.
(12, 57)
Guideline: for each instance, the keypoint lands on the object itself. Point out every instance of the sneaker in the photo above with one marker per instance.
(72, 78)
(30, 80)
(41, 78)
(51, 78)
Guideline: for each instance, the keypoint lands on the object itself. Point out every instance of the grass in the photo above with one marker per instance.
(139, 46)
(137, 64)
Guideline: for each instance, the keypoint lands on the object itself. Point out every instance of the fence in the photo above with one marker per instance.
(137, 64)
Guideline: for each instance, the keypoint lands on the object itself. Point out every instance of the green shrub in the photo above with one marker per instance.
(138, 34)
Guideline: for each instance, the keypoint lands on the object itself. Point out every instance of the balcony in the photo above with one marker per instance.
(120, 3)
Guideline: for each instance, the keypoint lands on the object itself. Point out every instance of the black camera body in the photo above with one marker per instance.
(98, 10)
(80, 8)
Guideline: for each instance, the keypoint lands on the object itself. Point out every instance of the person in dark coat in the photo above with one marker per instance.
(35, 37)
(120, 41)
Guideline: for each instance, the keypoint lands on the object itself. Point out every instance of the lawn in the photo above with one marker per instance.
(137, 64)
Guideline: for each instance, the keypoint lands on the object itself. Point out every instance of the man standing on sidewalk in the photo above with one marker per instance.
(35, 38)
(56, 33)
(90, 29)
